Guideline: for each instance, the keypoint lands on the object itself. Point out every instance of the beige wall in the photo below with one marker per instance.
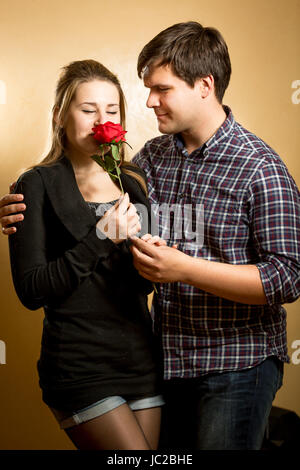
(37, 38)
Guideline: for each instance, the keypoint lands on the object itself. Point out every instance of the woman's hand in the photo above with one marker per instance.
(11, 204)
(121, 221)
(155, 240)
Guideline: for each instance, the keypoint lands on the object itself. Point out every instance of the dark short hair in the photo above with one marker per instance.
(192, 51)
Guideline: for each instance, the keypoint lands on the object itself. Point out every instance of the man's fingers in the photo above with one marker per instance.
(11, 198)
(11, 209)
(141, 257)
(9, 231)
(161, 243)
(156, 240)
(11, 219)
(150, 240)
(144, 247)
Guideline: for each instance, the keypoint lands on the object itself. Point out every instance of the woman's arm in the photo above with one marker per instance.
(39, 281)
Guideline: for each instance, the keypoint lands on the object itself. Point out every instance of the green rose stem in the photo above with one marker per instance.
(111, 164)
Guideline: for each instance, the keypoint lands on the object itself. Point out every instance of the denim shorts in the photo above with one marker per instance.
(68, 420)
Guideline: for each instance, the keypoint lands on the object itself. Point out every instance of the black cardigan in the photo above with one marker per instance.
(97, 335)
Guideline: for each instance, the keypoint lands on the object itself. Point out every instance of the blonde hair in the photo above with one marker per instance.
(73, 75)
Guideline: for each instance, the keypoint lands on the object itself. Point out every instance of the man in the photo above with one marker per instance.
(218, 310)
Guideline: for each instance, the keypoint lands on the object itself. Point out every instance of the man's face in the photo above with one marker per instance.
(177, 106)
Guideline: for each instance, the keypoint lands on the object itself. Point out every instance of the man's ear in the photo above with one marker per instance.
(206, 86)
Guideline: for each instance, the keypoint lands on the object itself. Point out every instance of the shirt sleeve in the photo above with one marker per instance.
(275, 223)
(39, 281)
(143, 160)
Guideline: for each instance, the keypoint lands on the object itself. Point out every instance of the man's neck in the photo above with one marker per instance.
(205, 129)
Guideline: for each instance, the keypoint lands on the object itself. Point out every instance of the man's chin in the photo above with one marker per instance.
(164, 129)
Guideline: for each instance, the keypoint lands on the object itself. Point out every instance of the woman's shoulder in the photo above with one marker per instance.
(36, 172)
(35, 177)
(29, 176)
(30, 184)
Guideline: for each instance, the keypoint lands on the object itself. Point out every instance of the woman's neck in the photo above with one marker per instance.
(84, 164)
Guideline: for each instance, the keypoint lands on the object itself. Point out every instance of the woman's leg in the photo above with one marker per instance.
(115, 430)
(149, 420)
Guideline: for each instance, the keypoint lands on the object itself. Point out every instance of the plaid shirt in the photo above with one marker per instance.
(251, 212)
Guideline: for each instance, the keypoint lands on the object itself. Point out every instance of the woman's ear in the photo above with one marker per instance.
(56, 117)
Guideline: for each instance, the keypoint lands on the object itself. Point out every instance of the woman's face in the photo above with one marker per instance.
(95, 102)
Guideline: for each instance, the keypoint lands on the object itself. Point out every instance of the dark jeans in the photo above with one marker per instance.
(226, 411)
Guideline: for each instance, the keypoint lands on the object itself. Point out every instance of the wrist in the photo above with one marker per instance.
(186, 269)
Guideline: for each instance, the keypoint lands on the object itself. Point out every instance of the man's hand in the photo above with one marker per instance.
(11, 204)
(158, 263)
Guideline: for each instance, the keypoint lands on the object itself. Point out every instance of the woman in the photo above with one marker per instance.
(98, 360)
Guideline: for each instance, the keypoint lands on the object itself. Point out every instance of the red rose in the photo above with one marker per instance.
(107, 132)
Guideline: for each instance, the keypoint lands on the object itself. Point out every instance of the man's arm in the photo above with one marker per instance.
(274, 218)
(239, 283)
(10, 207)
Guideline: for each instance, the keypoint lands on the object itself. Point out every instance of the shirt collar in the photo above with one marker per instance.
(178, 140)
(223, 131)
